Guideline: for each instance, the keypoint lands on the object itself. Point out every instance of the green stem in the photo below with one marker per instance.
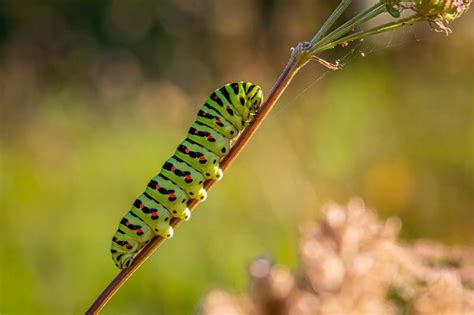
(376, 30)
(351, 24)
(331, 20)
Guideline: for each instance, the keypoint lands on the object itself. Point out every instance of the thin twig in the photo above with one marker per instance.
(331, 20)
(373, 31)
(351, 24)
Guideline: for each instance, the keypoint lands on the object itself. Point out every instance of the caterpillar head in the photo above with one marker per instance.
(254, 97)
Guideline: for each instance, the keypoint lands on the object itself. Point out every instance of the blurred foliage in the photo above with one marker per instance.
(95, 95)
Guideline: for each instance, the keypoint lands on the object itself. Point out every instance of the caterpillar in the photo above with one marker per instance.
(224, 115)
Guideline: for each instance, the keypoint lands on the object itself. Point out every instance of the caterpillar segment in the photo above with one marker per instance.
(225, 109)
(219, 121)
(209, 138)
(200, 159)
(134, 227)
(167, 193)
(153, 214)
(186, 177)
(208, 116)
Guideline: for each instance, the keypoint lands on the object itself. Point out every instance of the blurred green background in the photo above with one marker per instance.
(96, 94)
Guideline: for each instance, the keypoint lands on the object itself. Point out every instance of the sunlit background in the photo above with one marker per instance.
(95, 95)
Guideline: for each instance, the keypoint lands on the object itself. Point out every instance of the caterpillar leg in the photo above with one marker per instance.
(219, 174)
(166, 232)
(122, 259)
(123, 249)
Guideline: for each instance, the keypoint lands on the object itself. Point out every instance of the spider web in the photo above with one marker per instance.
(363, 48)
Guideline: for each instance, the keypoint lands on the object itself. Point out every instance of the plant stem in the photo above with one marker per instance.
(351, 24)
(376, 30)
(331, 20)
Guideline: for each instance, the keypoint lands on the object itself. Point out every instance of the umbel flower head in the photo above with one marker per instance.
(438, 12)
(447, 10)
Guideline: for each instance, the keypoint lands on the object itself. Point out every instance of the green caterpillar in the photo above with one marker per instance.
(220, 120)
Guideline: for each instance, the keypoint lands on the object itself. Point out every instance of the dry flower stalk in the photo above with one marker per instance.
(352, 263)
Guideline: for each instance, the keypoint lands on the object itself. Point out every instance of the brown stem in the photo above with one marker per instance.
(299, 57)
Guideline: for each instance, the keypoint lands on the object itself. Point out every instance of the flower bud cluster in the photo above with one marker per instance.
(438, 12)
